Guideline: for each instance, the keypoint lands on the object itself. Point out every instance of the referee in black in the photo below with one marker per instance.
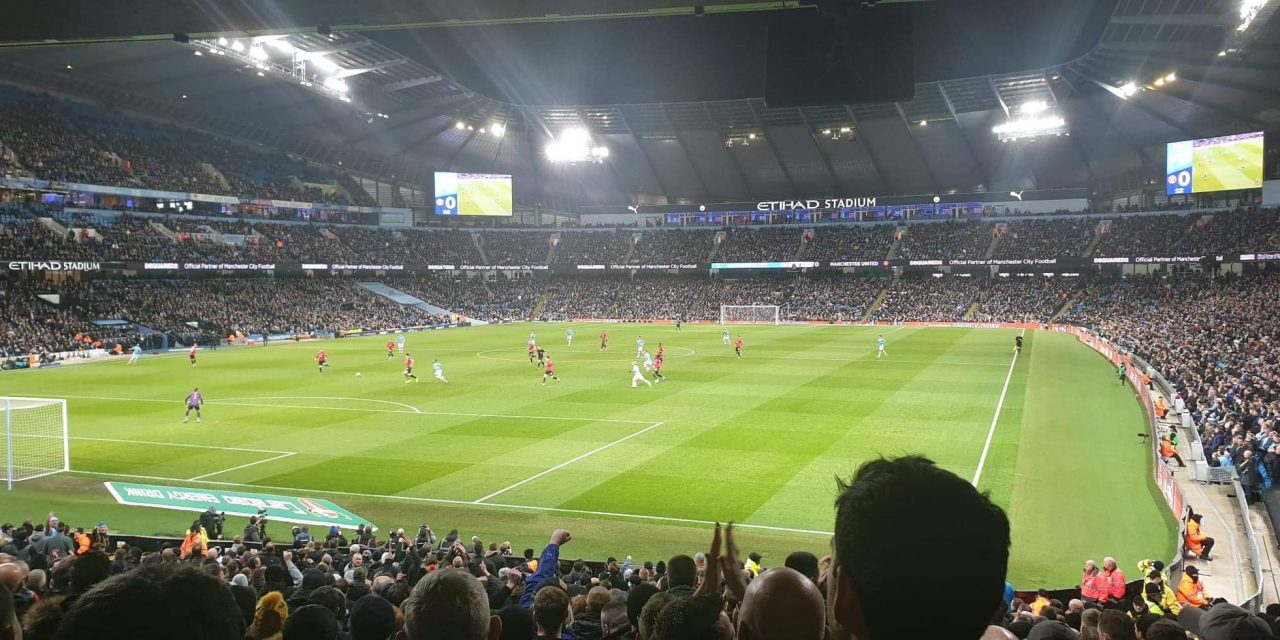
(1017, 343)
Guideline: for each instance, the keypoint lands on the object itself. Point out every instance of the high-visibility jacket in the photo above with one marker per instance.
(1093, 586)
(1166, 603)
(82, 543)
(1039, 604)
(1195, 539)
(1115, 584)
(190, 543)
(1191, 592)
(1166, 448)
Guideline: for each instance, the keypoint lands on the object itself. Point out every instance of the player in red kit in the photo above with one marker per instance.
(322, 360)
(604, 340)
(549, 372)
(408, 369)
(737, 347)
(660, 351)
(657, 367)
(391, 349)
(532, 348)
(192, 355)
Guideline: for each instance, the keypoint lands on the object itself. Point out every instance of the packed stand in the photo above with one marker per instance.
(517, 248)
(928, 299)
(739, 292)
(499, 299)
(593, 247)
(946, 241)
(1045, 239)
(758, 245)
(1214, 340)
(1023, 299)
(850, 243)
(673, 247)
(1239, 231)
(833, 299)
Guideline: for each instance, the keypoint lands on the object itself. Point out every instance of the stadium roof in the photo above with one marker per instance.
(428, 76)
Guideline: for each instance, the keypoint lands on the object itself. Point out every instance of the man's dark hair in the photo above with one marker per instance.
(1165, 630)
(903, 518)
(689, 619)
(550, 608)
(331, 599)
(682, 571)
(805, 563)
(636, 599)
(88, 570)
(173, 601)
(1117, 626)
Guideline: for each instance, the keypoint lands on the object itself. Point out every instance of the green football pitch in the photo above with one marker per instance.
(480, 197)
(629, 471)
(1229, 166)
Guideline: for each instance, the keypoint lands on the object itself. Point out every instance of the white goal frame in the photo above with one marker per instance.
(59, 458)
(756, 314)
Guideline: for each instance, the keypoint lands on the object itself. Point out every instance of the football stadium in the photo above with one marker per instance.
(640, 320)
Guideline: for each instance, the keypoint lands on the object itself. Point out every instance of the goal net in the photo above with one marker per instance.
(749, 314)
(34, 441)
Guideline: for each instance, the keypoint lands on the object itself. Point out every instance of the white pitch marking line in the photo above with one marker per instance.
(996, 418)
(243, 466)
(569, 462)
(895, 330)
(164, 444)
(323, 408)
(398, 404)
(459, 503)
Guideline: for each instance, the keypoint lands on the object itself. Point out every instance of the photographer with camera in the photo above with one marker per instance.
(212, 521)
(426, 539)
(252, 532)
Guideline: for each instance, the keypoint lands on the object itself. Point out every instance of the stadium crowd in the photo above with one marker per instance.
(56, 140)
(68, 582)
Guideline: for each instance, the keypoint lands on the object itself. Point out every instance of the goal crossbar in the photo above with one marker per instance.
(34, 440)
(750, 314)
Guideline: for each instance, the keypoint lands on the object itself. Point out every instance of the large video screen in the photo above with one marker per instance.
(1214, 164)
(472, 194)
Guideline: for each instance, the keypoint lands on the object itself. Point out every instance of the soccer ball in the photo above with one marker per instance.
(357, 374)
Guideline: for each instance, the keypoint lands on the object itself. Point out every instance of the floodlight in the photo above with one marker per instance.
(257, 53)
(602, 152)
(846, 129)
(459, 125)
(751, 136)
(1035, 106)
(282, 45)
(222, 42)
(335, 83)
(1171, 77)
(261, 74)
(237, 46)
(924, 123)
(826, 132)
(575, 135)
(1128, 89)
(198, 53)
(323, 64)
(1159, 82)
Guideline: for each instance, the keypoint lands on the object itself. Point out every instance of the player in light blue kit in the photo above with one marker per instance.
(568, 335)
(439, 371)
(724, 337)
(648, 361)
(639, 346)
(533, 338)
(400, 343)
(880, 353)
(134, 353)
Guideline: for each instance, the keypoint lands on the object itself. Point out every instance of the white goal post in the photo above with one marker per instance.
(34, 442)
(750, 314)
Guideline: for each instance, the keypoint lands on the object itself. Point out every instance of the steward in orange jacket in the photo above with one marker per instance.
(1197, 543)
(1191, 590)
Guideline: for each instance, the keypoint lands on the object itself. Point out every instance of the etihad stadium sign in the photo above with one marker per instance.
(810, 205)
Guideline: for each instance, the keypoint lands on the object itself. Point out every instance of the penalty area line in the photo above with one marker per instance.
(567, 463)
(459, 503)
(243, 466)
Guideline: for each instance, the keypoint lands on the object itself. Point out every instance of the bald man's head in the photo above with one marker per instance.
(782, 604)
(11, 577)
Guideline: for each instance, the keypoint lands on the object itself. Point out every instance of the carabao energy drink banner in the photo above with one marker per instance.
(308, 511)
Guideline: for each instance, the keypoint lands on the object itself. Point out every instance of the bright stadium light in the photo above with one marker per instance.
(1249, 10)
(1171, 77)
(281, 45)
(1035, 106)
(222, 42)
(497, 129)
(1128, 89)
(1030, 127)
(237, 46)
(258, 53)
(322, 63)
(335, 83)
(575, 145)
(459, 125)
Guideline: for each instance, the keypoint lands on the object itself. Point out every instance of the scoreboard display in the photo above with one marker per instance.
(472, 194)
(1223, 163)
